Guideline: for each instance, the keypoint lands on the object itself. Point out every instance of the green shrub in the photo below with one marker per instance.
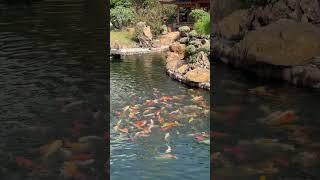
(192, 58)
(202, 26)
(193, 33)
(191, 49)
(123, 3)
(139, 30)
(153, 16)
(197, 14)
(184, 29)
(164, 29)
(121, 16)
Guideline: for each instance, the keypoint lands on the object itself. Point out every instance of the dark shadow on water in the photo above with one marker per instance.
(53, 90)
(263, 128)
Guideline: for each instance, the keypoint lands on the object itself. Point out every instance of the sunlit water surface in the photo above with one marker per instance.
(142, 77)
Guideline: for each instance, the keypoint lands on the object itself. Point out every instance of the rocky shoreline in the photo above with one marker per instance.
(277, 40)
(187, 60)
(134, 51)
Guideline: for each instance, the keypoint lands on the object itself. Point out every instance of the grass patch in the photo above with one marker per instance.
(123, 38)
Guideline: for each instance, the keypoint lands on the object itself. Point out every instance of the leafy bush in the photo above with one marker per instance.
(193, 33)
(191, 49)
(121, 16)
(164, 29)
(123, 3)
(202, 26)
(197, 14)
(184, 29)
(153, 16)
(139, 30)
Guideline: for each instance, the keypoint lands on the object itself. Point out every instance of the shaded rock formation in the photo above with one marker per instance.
(278, 40)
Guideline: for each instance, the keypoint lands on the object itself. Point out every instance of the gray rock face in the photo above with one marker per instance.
(279, 40)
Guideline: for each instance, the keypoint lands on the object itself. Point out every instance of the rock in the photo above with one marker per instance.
(184, 30)
(197, 43)
(156, 43)
(222, 8)
(147, 32)
(202, 60)
(198, 75)
(285, 42)
(311, 9)
(172, 65)
(278, 11)
(178, 48)
(183, 69)
(131, 30)
(169, 38)
(172, 56)
(184, 40)
(230, 26)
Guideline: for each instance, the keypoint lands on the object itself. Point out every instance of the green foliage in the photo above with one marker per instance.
(121, 16)
(197, 14)
(192, 58)
(126, 12)
(144, 4)
(193, 33)
(152, 16)
(202, 26)
(139, 30)
(184, 29)
(124, 3)
(164, 29)
(191, 49)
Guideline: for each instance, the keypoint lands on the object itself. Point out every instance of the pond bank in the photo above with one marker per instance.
(267, 42)
(137, 51)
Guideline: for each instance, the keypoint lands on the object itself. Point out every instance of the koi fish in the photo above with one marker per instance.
(124, 130)
(198, 98)
(166, 126)
(139, 123)
(70, 169)
(89, 138)
(175, 112)
(81, 157)
(52, 148)
(23, 162)
(166, 156)
(148, 115)
(78, 147)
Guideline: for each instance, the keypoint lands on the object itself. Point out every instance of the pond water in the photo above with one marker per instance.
(53, 88)
(141, 91)
(264, 128)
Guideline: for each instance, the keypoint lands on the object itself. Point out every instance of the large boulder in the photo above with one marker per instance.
(285, 42)
(147, 32)
(202, 60)
(311, 9)
(169, 38)
(230, 26)
(172, 65)
(178, 48)
(172, 56)
(222, 8)
(198, 75)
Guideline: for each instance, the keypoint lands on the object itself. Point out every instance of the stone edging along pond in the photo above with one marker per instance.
(179, 77)
(134, 51)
